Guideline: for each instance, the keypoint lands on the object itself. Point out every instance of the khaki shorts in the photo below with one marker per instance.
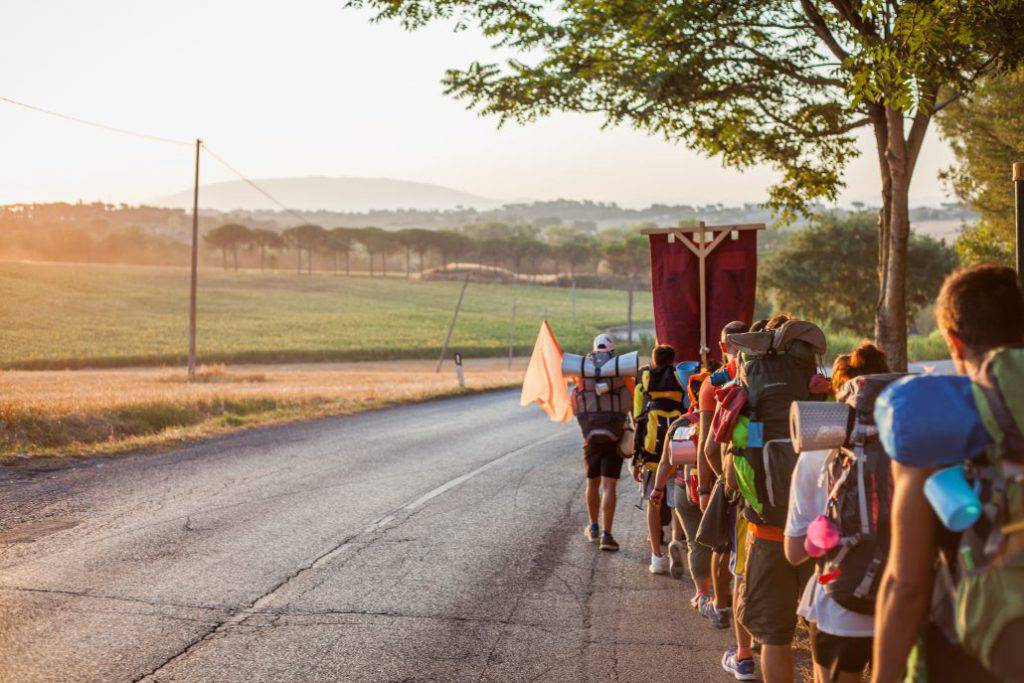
(771, 590)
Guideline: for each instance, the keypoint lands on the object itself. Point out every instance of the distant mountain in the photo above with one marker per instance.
(315, 193)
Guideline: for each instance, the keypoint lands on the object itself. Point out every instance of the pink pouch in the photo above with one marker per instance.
(822, 533)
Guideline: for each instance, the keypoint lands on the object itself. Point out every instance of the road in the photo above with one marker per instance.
(439, 541)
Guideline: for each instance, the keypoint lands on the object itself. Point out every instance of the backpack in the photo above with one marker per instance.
(979, 601)
(660, 400)
(776, 370)
(859, 484)
(598, 404)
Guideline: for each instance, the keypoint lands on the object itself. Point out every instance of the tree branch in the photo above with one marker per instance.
(822, 31)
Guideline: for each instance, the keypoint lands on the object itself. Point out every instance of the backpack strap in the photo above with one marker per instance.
(1011, 440)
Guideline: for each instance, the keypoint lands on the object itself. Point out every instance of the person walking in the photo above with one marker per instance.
(601, 406)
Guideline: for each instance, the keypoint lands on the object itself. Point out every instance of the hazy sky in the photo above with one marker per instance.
(307, 88)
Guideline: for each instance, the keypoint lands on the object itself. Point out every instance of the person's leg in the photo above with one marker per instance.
(743, 639)
(593, 499)
(654, 527)
(721, 580)
(777, 663)
(609, 497)
(698, 554)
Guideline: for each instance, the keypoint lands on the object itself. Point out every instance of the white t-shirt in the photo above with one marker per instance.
(807, 499)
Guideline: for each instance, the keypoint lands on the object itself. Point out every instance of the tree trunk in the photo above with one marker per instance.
(224, 258)
(347, 269)
(408, 263)
(335, 264)
(371, 264)
(897, 157)
(384, 264)
(234, 256)
(263, 257)
(309, 261)
(298, 260)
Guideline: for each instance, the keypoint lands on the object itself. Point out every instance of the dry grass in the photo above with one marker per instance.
(79, 412)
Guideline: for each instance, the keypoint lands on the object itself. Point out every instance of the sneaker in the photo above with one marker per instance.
(676, 559)
(608, 543)
(659, 565)
(743, 669)
(718, 618)
(591, 534)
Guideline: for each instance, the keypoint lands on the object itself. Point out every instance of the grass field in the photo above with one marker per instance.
(76, 412)
(70, 316)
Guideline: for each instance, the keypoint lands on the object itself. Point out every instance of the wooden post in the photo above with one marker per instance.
(512, 334)
(193, 281)
(451, 325)
(1018, 192)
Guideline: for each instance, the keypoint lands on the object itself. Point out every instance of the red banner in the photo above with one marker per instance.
(731, 272)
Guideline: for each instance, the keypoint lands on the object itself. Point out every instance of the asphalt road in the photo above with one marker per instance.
(439, 541)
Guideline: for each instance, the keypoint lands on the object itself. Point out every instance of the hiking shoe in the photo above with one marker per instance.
(591, 534)
(718, 618)
(659, 564)
(676, 559)
(608, 543)
(743, 669)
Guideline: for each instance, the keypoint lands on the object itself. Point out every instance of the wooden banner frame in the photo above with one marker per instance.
(702, 240)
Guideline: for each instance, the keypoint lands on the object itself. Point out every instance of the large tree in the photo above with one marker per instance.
(630, 259)
(817, 273)
(775, 82)
(228, 237)
(986, 133)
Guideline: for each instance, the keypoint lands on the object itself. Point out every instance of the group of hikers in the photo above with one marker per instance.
(884, 509)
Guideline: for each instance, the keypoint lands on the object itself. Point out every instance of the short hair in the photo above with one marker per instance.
(778, 321)
(983, 306)
(759, 325)
(735, 327)
(663, 355)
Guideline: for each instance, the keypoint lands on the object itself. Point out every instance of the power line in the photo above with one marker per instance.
(253, 184)
(95, 124)
(157, 138)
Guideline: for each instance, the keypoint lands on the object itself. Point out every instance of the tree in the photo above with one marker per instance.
(757, 82)
(228, 237)
(629, 258)
(986, 133)
(414, 240)
(376, 241)
(341, 241)
(451, 245)
(819, 273)
(306, 238)
(264, 239)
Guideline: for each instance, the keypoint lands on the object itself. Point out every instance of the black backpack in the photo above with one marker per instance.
(859, 482)
(776, 370)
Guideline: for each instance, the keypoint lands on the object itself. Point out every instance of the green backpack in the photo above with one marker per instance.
(980, 590)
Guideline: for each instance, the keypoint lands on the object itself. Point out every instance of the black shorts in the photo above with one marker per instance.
(602, 459)
(771, 590)
(840, 653)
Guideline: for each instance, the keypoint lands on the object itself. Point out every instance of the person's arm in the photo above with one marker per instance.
(798, 517)
(731, 483)
(705, 472)
(905, 589)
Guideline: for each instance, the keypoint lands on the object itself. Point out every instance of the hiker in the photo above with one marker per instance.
(779, 366)
(840, 637)
(717, 610)
(658, 402)
(601, 406)
(975, 573)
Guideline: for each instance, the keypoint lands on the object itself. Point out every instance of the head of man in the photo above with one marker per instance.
(735, 327)
(979, 309)
(662, 356)
(604, 343)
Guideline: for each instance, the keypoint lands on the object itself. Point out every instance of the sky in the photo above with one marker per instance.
(308, 88)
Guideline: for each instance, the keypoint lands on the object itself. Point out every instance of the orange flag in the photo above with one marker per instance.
(544, 383)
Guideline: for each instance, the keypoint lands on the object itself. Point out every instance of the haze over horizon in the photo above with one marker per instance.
(317, 90)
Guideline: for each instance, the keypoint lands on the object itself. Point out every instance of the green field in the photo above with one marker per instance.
(57, 315)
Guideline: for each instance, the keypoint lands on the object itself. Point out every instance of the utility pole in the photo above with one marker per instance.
(451, 325)
(195, 269)
(1018, 186)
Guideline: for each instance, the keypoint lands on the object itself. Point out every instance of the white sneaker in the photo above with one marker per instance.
(659, 564)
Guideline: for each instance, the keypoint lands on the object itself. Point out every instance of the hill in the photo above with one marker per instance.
(321, 193)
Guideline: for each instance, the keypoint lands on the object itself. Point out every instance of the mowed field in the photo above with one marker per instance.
(72, 316)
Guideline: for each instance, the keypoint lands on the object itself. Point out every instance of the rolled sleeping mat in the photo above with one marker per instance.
(819, 425)
(683, 452)
(625, 365)
(930, 420)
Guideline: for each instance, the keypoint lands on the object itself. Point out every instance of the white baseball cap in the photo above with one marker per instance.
(604, 342)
